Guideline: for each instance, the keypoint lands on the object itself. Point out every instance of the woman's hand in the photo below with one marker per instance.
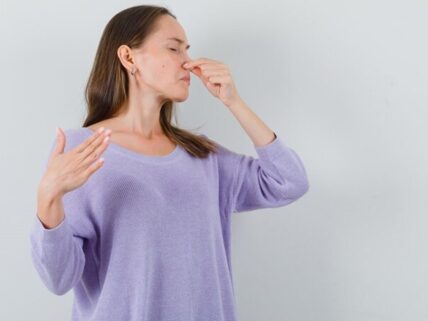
(216, 77)
(67, 171)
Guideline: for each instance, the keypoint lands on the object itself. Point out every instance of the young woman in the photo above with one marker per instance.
(148, 236)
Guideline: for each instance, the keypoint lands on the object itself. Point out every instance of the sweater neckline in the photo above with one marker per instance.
(137, 155)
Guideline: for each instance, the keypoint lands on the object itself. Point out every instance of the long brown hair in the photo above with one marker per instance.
(107, 86)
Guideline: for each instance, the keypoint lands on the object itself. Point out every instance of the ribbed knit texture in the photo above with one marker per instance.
(147, 238)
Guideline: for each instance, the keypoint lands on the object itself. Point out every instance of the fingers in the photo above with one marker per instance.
(93, 144)
(95, 150)
(197, 62)
(71, 169)
(60, 143)
(91, 149)
(92, 162)
(214, 72)
(93, 167)
(82, 147)
(60, 140)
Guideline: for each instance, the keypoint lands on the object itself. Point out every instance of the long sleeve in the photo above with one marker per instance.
(276, 178)
(57, 253)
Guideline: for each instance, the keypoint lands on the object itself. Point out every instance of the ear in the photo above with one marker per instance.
(126, 57)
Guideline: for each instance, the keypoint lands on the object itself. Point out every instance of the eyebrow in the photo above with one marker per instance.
(178, 40)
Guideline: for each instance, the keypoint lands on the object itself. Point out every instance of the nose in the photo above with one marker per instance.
(186, 60)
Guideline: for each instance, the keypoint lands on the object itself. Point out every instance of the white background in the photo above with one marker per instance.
(344, 83)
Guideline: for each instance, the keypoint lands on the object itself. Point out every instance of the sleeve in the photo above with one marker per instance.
(276, 178)
(57, 253)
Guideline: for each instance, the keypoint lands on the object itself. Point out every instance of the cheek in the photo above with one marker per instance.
(152, 66)
(158, 72)
(159, 69)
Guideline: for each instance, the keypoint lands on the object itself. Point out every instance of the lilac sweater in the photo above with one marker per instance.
(147, 238)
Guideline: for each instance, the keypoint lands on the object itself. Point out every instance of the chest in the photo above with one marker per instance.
(157, 147)
(170, 197)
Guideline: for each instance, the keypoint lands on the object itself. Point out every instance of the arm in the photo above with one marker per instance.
(56, 248)
(276, 178)
(257, 130)
(56, 251)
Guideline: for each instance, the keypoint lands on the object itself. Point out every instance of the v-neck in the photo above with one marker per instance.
(178, 150)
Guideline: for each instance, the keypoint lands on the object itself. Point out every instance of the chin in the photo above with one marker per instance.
(180, 98)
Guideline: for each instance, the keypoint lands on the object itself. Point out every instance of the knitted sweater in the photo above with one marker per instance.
(148, 238)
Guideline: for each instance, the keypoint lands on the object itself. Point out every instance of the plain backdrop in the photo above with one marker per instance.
(344, 83)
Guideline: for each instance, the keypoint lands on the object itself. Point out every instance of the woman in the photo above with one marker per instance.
(148, 236)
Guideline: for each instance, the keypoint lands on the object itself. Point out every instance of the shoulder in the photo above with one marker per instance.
(75, 136)
(77, 131)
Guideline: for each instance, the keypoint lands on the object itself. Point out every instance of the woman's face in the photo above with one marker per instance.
(160, 61)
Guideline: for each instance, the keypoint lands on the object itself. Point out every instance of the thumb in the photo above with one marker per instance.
(60, 142)
(196, 71)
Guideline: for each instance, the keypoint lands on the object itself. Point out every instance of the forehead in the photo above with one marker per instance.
(169, 29)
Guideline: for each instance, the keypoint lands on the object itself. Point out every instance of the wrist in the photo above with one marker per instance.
(236, 103)
(48, 195)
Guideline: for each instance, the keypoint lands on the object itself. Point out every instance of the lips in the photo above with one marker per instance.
(186, 79)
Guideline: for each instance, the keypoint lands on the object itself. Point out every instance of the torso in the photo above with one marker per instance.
(156, 147)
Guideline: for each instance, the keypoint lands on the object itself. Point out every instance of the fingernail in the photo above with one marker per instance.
(186, 65)
(100, 130)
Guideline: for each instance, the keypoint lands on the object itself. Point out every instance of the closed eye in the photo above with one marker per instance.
(173, 49)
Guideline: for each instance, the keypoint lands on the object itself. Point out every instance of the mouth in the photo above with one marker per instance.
(186, 76)
(186, 79)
